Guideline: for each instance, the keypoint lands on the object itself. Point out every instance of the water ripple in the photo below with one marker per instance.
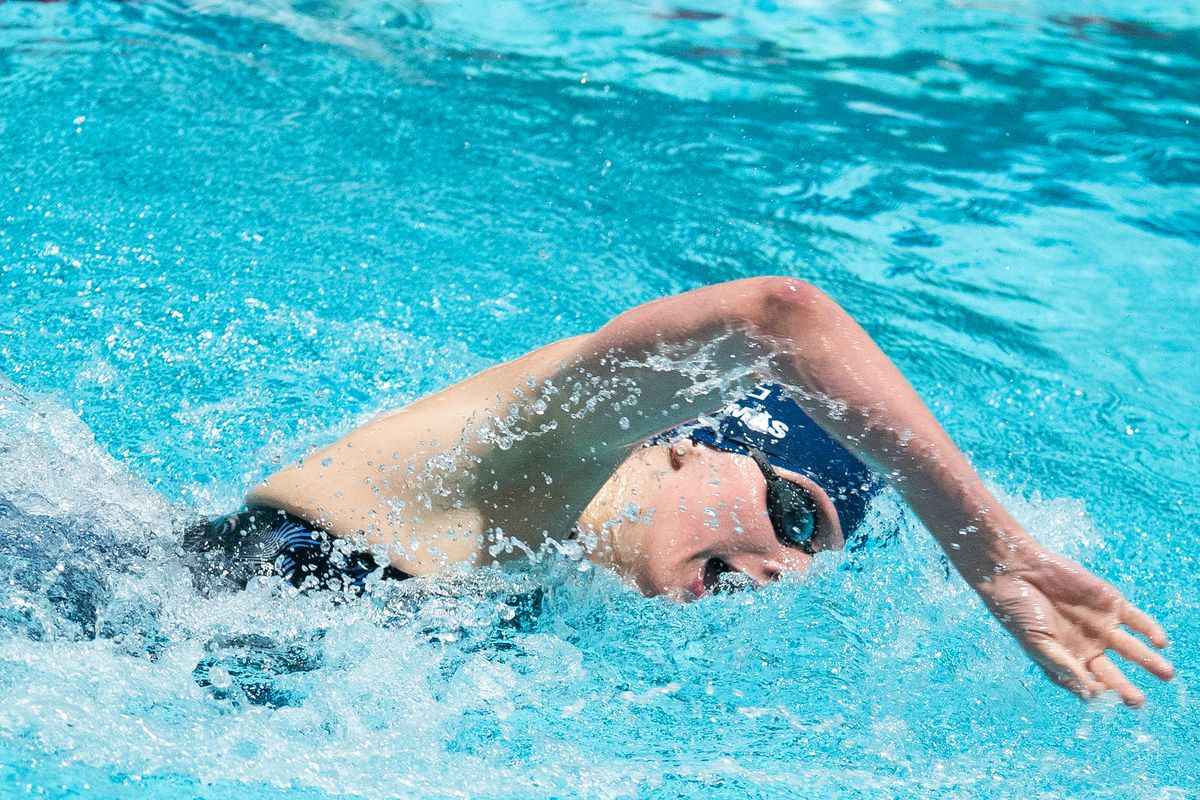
(229, 231)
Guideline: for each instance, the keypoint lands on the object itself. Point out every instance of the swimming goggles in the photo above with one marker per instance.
(792, 510)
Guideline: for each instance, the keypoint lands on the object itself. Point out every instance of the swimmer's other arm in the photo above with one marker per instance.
(1064, 617)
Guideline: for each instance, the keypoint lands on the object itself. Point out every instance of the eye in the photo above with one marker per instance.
(791, 508)
(796, 528)
(793, 514)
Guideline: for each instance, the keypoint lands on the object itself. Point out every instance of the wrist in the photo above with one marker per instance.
(982, 552)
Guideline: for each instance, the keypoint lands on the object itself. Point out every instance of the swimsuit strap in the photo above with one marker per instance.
(267, 541)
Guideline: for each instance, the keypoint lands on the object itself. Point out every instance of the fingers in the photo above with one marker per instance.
(1134, 649)
(1067, 671)
(1113, 679)
(1144, 624)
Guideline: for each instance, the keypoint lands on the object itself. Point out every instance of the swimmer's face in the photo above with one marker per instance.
(699, 513)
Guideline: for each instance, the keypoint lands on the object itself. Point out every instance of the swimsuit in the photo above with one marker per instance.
(266, 541)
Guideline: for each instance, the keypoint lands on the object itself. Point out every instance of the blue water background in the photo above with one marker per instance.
(231, 231)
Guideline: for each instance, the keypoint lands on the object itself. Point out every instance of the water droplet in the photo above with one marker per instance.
(220, 678)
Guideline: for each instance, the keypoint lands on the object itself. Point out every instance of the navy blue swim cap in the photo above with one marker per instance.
(768, 420)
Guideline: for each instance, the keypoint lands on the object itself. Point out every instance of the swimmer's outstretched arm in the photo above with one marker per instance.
(1064, 617)
(526, 445)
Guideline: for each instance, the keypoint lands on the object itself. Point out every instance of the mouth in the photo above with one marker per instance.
(699, 584)
(708, 576)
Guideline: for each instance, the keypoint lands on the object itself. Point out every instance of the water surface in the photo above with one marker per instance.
(232, 231)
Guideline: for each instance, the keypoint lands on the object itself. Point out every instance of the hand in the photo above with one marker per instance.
(1067, 619)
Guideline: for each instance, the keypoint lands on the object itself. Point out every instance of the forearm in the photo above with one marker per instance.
(1065, 617)
(849, 387)
(788, 330)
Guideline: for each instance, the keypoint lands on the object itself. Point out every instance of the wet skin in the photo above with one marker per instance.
(458, 491)
(699, 513)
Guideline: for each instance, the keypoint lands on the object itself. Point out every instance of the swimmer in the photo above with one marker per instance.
(627, 439)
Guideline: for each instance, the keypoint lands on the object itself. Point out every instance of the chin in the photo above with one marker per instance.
(676, 594)
(653, 588)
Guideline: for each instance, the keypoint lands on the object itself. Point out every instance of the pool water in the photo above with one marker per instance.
(232, 231)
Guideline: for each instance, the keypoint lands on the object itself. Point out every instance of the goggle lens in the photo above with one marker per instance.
(792, 510)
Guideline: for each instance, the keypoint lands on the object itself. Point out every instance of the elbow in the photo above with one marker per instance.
(769, 307)
(781, 303)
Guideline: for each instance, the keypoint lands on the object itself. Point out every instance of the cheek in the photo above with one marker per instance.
(683, 529)
(671, 551)
(667, 536)
(796, 562)
(749, 545)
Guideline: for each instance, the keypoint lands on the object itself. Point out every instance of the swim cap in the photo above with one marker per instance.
(768, 420)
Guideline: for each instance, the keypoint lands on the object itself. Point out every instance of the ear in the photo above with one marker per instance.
(678, 452)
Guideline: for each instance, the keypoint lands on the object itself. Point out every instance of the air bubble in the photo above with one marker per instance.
(219, 677)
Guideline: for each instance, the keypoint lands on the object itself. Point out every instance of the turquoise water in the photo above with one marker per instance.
(232, 231)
